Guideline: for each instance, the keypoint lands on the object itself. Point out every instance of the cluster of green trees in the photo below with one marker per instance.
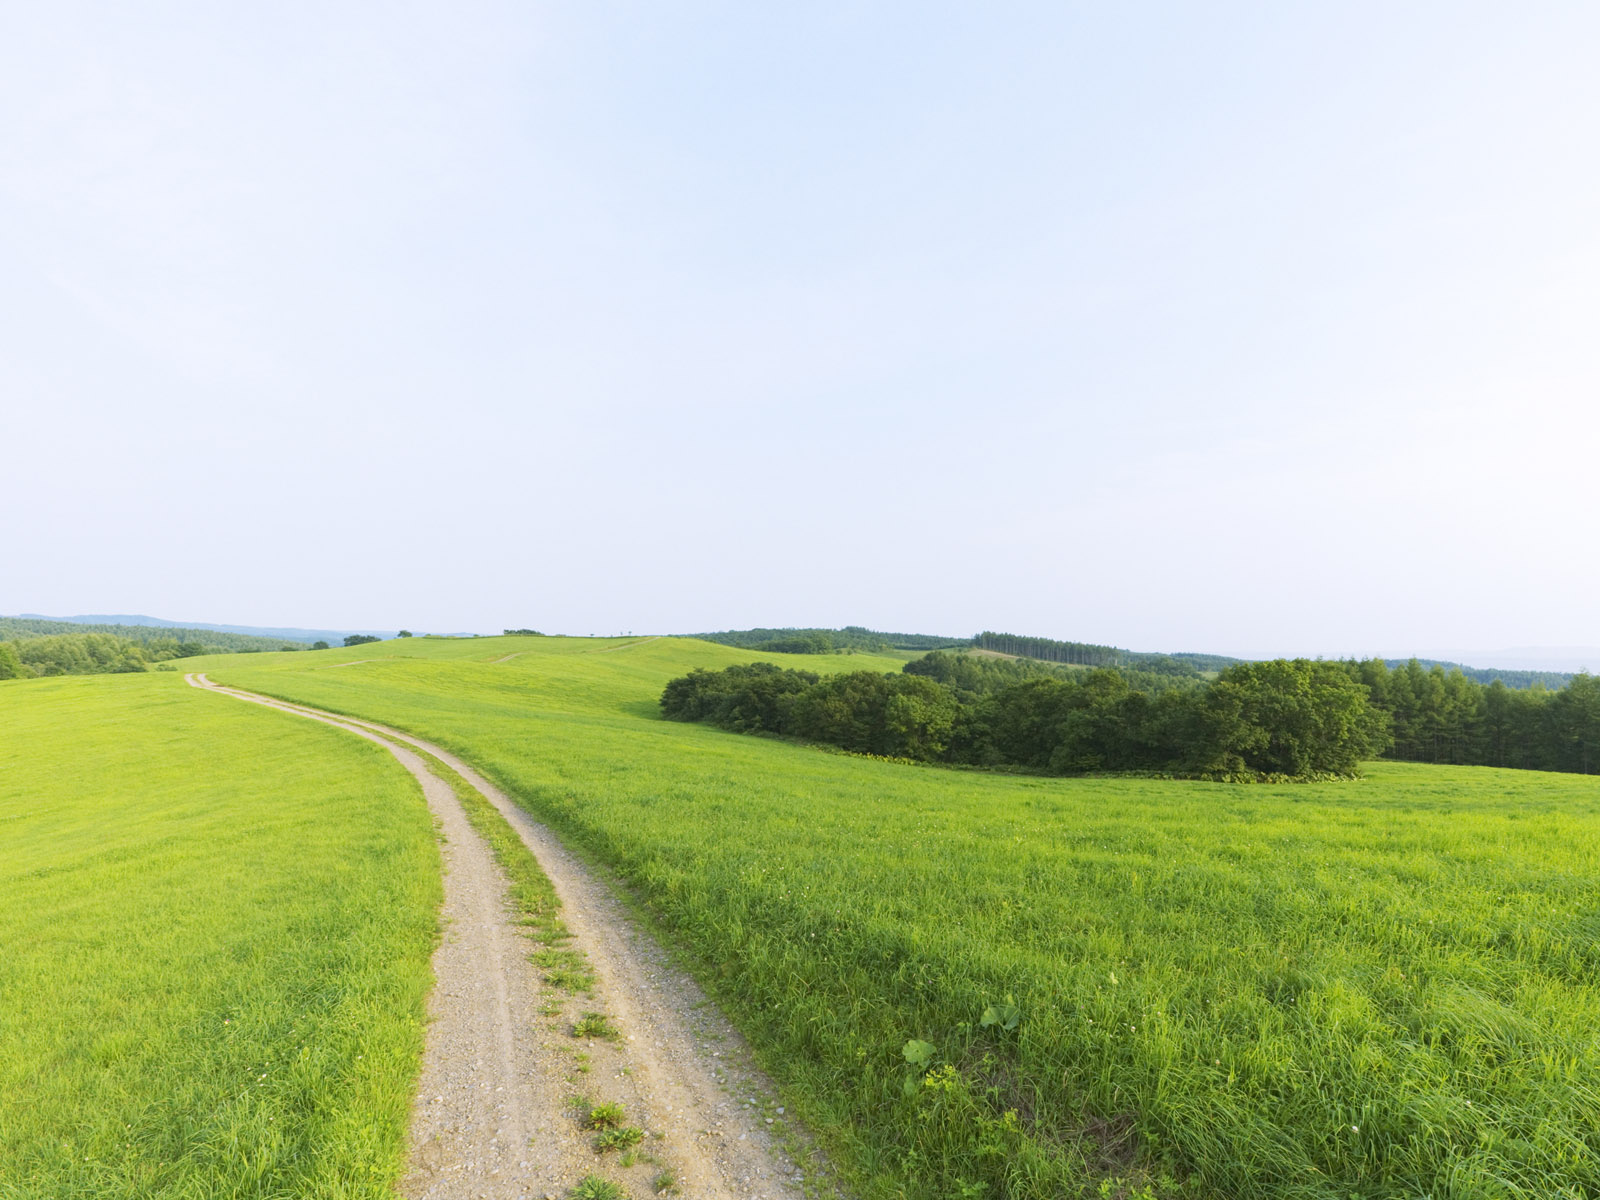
(87, 654)
(1298, 719)
(215, 642)
(523, 633)
(1486, 675)
(1086, 654)
(361, 639)
(1441, 716)
(852, 638)
(981, 674)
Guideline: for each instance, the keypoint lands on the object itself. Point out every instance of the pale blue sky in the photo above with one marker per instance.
(1248, 328)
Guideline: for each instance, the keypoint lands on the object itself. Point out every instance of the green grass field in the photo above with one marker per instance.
(1381, 988)
(215, 927)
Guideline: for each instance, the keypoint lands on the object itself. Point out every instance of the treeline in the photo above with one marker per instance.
(979, 675)
(1440, 716)
(851, 639)
(18, 628)
(86, 654)
(1281, 719)
(1487, 675)
(1079, 654)
(1087, 654)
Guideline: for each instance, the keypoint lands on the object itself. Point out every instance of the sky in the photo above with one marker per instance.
(1244, 328)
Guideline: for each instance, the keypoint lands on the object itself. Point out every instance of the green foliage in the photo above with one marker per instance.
(1216, 981)
(1280, 719)
(523, 633)
(319, 645)
(605, 1116)
(215, 931)
(1445, 717)
(403, 633)
(620, 1138)
(852, 638)
(10, 665)
(360, 639)
(208, 641)
(592, 1187)
(594, 1025)
(917, 1052)
(750, 698)
(86, 654)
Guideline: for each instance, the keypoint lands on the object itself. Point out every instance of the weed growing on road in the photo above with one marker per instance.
(594, 1025)
(592, 1187)
(606, 1116)
(618, 1139)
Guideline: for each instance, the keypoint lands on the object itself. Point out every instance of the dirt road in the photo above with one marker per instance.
(497, 1112)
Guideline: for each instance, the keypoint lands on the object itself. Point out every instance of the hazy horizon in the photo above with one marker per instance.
(1242, 330)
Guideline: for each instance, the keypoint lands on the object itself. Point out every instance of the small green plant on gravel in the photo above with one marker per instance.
(592, 1187)
(565, 969)
(618, 1139)
(581, 1065)
(594, 1025)
(664, 1183)
(605, 1116)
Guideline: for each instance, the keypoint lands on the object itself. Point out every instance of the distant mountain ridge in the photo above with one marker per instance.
(283, 633)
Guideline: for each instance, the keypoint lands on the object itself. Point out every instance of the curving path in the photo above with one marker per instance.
(492, 1116)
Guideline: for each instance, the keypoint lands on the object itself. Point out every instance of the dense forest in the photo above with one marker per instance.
(1445, 717)
(82, 650)
(1281, 719)
(1087, 654)
(17, 628)
(852, 638)
(86, 654)
(1512, 679)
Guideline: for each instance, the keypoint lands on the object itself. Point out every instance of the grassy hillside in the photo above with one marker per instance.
(215, 926)
(1383, 988)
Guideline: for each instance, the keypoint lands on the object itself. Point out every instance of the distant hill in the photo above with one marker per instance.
(120, 622)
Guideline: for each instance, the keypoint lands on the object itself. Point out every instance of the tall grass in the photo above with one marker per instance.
(1380, 988)
(215, 929)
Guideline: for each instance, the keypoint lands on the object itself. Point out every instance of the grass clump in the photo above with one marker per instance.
(592, 1187)
(608, 1115)
(594, 1025)
(620, 1138)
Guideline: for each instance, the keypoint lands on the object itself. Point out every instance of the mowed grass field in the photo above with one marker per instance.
(1381, 988)
(215, 931)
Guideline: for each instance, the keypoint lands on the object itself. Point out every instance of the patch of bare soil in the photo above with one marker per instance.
(506, 1085)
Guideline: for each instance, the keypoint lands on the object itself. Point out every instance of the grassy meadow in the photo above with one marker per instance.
(215, 931)
(1381, 988)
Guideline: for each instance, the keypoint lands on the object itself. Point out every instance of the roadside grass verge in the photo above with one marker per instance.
(215, 931)
(990, 986)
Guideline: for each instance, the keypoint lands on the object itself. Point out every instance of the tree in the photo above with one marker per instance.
(10, 665)
(359, 639)
(319, 645)
(1289, 717)
(404, 633)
